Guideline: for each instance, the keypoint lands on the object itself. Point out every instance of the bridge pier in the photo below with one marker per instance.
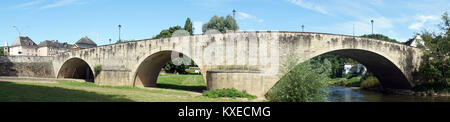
(252, 82)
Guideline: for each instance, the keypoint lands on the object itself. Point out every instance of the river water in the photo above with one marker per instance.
(346, 94)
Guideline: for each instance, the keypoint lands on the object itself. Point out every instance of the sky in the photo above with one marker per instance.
(70, 20)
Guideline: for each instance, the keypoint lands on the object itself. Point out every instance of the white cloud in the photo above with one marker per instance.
(421, 20)
(260, 20)
(198, 27)
(375, 2)
(246, 16)
(310, 6)
(28, 4)
(59, 4)
(242, 15)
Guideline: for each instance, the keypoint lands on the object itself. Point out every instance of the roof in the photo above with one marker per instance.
(54, 44)
(414, 42)
(83, 46)
(86, 40)
(23, 41)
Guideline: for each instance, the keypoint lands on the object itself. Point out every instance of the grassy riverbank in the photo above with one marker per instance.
(352, 82)
(172, 88)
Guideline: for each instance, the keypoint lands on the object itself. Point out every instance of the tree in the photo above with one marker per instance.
(168, 32)
(172, 68)
(304, 82)
(380, 37)
(2, 53)
(221, 24)
(188, 26)
(434, 72)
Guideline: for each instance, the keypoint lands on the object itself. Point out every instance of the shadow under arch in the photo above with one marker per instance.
(149, 69)
(76, 68)
(389, 75)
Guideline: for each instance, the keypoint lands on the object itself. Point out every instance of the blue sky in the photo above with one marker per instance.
(70, 20)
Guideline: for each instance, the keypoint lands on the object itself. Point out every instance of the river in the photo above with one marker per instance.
(346, 94)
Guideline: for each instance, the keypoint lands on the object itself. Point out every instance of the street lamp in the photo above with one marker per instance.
(372, 25)
(120, 26)
(17, 29)
(303, 28)
(234, 14)
(234, 17)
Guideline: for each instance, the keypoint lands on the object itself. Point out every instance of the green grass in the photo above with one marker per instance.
(352, 82)
(233, 93)
(181, 82)
(173, 90)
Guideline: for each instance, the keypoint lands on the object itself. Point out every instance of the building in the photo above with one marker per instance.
(5, 48)
(52, 47)
(416, 41)
(23, 46)
(84, 43)
(349, 68)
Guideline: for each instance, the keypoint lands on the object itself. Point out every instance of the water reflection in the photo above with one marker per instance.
(346, 94)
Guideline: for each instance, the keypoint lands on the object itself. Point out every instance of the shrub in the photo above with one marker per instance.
(350, 76)
(370, 82)
(233, 93)
(97, 69)
(431, 87)
(353, 82)
(305, 82)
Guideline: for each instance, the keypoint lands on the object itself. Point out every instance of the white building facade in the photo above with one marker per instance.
(23, 46)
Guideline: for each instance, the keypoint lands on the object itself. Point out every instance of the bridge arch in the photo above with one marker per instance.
(76, 68)
(148, 70)
(389, 74)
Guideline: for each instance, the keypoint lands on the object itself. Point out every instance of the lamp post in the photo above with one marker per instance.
(17, 29)
(234, 14)
(353, 29)
(234, 17)
(303, 28)
(372, 25)
(120, 26)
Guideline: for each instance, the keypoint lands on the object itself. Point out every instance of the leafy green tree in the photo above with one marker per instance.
(380, 37)
(2, 53)
(434, 72)
(188, 26)
(221, 24)
(336, 63)
(168, 32)
(305, 82)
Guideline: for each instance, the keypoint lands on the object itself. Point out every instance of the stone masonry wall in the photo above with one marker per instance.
(26, 66)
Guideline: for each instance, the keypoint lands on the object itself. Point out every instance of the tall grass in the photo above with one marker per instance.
(370, 82)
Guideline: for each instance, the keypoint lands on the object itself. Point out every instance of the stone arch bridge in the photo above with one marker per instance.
(250, 61)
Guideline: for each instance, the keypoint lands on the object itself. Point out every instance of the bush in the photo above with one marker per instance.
(97, 69)
(353, 82)
(306, 82)
(233, 93)
(431, 87)
(370, 82)
(350, 76)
